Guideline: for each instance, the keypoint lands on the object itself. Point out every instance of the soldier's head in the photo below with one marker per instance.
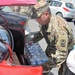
(41, 12)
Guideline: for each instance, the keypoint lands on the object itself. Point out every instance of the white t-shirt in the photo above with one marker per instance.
(71, 61)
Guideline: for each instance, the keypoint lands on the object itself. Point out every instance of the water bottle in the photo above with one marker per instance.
(38, 61)
(35, 54)
(32, 61)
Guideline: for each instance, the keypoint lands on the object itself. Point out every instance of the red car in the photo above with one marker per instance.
(15, 25)
(8, 59)
(14, 39)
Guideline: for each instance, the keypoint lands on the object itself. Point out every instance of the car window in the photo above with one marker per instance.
(69, 5)
(7, 9)
(55, 3)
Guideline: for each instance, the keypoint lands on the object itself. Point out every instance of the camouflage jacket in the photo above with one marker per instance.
(59, 37)
(23, 10)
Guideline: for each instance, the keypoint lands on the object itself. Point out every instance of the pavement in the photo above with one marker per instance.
(34, 27)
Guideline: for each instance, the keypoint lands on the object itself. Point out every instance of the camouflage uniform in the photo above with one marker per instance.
(24, 10)
(58, 35)
(59, 38)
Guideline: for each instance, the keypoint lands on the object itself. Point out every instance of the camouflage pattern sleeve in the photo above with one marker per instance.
(17, 8)
(61, 47)
(65, 25)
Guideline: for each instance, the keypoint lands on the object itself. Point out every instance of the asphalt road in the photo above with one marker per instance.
(34, 26)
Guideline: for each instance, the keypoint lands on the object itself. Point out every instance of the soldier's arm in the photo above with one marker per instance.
(37, 37)
(61, 47)
(17, 8)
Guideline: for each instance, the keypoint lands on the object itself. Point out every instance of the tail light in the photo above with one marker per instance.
(66, 9)
(23, 23)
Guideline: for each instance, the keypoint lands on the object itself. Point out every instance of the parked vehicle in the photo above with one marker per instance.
(8, 58)
(12, 40)
(14, 19)
(13, 36)
(63, 9)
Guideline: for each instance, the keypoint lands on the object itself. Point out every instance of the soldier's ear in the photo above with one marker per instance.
(47, 13)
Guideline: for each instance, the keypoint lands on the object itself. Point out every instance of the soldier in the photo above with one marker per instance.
(70, 70)
(24, 10)
(57, 34)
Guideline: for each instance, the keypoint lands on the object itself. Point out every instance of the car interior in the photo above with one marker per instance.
(17, 42)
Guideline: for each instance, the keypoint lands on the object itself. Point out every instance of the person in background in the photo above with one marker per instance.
(24, 10)
(17, 9)
(57, 33)
(70, 70)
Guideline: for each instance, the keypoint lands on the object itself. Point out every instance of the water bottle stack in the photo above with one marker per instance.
(35, 54)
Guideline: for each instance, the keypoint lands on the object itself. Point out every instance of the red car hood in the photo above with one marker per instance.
(17, 2)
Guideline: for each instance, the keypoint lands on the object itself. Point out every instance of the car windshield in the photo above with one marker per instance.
(70, 5)
(7, 9)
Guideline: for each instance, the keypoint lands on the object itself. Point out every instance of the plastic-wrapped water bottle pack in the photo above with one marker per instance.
(34, 54)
